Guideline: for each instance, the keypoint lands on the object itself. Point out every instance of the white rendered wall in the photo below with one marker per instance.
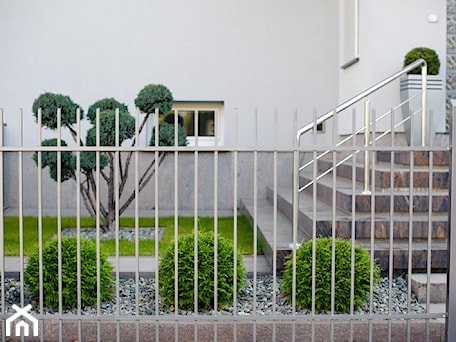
(388, 30)
(249, 54)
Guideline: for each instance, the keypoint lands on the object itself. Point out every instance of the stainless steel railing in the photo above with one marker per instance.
(367, 122)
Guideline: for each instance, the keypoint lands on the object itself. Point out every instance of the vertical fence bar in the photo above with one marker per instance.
(372, 153)
(40, 215)
(367, 124)
(2, 231)
(176, 224)
(137, 218)
(295, 220)
(314, 221)
(333, 223)
(410, 240)
(216, 233)
(451, 273)
(353, 224)
(157, 225)
(98, 220)
(429, 241)
(78, 217)
(21, 205)
(116, 196)
(274, 223)
(255, 210)
(391, 227)
(59, 215)
(235, 224)
(195, 226)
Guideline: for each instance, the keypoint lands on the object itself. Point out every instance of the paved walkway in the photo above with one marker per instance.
(145, 264)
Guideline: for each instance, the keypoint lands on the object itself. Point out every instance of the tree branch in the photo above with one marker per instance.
(130, 154)
(143, 182)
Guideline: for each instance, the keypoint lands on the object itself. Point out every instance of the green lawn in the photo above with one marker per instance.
(146, 247)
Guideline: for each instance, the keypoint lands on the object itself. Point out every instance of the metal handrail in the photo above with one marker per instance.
(377, 138)
(365, 93)
(367, 110)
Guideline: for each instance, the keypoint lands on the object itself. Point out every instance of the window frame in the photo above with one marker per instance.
(217, 107)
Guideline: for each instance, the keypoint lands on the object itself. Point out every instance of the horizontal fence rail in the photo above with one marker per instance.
(153, 284)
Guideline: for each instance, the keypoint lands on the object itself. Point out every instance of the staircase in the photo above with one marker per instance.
(391, 207)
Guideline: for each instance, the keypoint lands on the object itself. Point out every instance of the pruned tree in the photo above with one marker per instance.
(151, 98)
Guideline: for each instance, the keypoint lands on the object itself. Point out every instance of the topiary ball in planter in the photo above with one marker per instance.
(186, 272)
(323, 275)
(88, 277)
(429, 55)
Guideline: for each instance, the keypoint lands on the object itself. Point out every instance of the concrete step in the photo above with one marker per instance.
(363, 227)
(401, 198)
(439, 158)
(436, 285)
(401, 251)
(401, 175)
(272, 231)
(343, 228)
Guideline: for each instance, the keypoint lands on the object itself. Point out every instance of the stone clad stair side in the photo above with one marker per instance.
(382, 195)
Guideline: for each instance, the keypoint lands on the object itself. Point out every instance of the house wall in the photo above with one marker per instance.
(387, 31)
(248, 54)
(166, 184)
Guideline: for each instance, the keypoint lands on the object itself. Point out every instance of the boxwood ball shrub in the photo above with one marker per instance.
(50, 282)
(429, 55)
(186, 272)
(323, 275)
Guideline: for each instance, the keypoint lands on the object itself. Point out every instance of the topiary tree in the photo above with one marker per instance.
(88, 276)
(323, 261)
(150, 98)
(186, 272)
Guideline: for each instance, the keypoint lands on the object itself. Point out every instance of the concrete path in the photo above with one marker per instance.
(145, 264)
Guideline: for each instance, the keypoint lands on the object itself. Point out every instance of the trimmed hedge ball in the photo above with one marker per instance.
(186, 272)
(323, 275)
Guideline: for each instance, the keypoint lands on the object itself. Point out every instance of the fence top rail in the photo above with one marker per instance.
(209, 149)
(361, 95)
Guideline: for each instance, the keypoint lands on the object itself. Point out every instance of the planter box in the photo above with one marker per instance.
(410, 88)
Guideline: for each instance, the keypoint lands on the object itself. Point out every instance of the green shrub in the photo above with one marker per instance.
(49, 158)
(323, 275)
(205, 272)
(429, 55)
(154, 96)
(50, 282)
(110, 104)
(49, 104)
(166, 135)
(127, 126)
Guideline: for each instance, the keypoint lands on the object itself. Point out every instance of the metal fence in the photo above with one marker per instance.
(262, 192)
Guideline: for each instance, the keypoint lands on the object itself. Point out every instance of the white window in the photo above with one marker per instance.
(210, 121)
(208, 116)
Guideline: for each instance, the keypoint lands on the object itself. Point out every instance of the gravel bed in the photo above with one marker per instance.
(264, 302)
(124, 233)
(245, 304)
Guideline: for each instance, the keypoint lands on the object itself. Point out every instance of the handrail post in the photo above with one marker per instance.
(367, 111)
(423, 103)
(295, 185)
